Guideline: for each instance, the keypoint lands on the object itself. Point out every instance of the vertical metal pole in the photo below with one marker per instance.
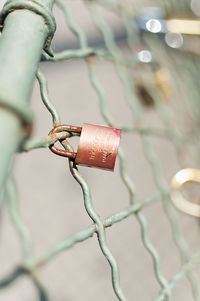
(21, 43)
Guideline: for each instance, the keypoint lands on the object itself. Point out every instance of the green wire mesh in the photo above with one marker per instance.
(184, 139)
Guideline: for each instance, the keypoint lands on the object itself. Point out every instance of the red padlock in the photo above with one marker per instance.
(97, 147)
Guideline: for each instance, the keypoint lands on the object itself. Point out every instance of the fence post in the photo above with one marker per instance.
(28, 27)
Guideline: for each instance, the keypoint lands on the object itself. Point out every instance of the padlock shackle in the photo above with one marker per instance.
(67, 128)
(62, 128)
(62, 152)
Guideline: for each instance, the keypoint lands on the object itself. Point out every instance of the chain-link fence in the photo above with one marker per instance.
(151, 92)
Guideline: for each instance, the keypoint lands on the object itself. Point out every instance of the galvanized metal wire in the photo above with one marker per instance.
(112, 52)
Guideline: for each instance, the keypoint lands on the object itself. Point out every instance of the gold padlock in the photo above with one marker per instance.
(98, 145)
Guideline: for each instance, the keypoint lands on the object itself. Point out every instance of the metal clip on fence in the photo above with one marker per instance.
(38, 8)
(97, 147)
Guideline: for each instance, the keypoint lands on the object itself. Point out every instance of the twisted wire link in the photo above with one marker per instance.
(177, 233)
(131, 188)
(151, 249)
(163, 187)
(100, 232)
(80, 179)
(89, 231)
(97, 86)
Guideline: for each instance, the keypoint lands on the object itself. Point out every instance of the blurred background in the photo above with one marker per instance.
(158, 93)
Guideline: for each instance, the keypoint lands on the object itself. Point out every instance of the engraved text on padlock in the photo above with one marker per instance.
(98, 146)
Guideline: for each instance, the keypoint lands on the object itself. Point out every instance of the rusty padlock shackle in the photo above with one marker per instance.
(64, 128)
